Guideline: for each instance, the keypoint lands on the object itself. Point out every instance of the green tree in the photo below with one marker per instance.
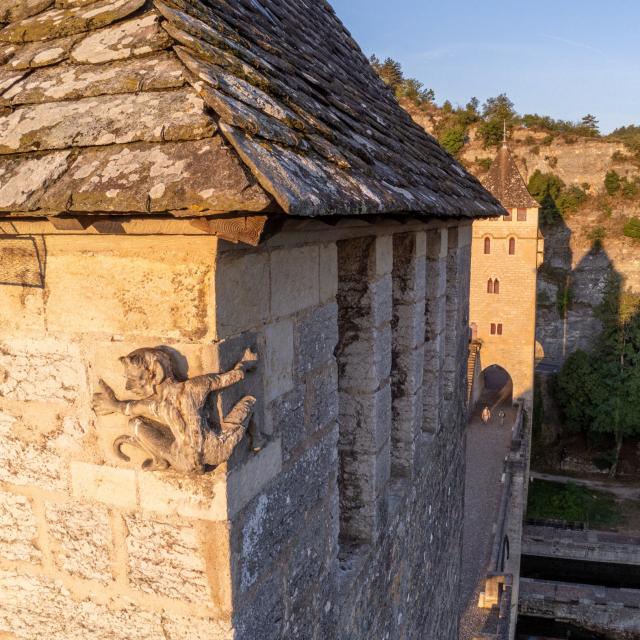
(391, 73)
(570, 199)
(453, 138)
(600, 391)
(612, 182)
(589, 125)
(496, 113)
(546, 189)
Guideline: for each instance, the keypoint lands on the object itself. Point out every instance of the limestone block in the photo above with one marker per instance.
(278, 359)
(364, 479)
(100, 483)
(368, 304)
(162, 288)
(174, 494)
(384, 255)
(249, 479)
(365, 420)
(18, 529)
(286, 418)
(407, 422)
(409, 268)
(295, 280)
(315, 338)
(42, 370)
(409, 325)
(187, 628)
(322, 398)
(29, 463)
(273, 518)
(80, 538)
(37, 603)
(153, 544)
(408, 371)
(311, 557)
(328, 272)
(365, 359)
(242, 292)
(264, 616)
(465, 235)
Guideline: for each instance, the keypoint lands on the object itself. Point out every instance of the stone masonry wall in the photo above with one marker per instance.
(354, 441)
(92, 547)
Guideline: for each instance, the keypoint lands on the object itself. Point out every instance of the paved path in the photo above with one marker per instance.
(487, 447)
(620, 490)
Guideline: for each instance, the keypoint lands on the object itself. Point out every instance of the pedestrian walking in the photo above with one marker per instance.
(486, 415)
(502, 415)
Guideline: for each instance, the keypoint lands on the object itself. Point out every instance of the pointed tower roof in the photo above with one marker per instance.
(506, 183)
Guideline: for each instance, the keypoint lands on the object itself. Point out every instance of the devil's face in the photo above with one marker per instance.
(138, 379)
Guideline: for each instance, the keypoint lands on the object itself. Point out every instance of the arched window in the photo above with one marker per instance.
(512, 246)
(500, 329)
(496, 286)
(493, 329)
(490, 286)
(487, 245)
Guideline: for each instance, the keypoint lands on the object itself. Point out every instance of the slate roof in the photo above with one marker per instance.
(506, 183)
(201, 107)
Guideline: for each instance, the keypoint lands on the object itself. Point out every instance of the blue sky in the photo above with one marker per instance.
(562, 58)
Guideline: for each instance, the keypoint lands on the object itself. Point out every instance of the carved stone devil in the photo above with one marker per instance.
(171, 421)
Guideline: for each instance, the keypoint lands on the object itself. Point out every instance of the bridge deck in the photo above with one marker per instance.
(487, 447)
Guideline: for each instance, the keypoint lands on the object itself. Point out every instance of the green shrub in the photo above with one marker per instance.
(454, 138)
(484, 163)
(570, 199)
(629, 188)
(618, 156)
(632, 229)
(597, 236)
(612, 182)
(547, 140)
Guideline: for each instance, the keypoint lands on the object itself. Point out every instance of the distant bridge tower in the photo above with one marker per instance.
(506, 253)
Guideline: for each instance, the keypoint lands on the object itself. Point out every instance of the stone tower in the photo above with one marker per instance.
(505, 257)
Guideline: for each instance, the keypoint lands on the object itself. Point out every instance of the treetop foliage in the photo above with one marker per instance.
(600, 391)
(390, 71)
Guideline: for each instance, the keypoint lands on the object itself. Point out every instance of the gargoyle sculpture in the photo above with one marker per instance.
(170, 421)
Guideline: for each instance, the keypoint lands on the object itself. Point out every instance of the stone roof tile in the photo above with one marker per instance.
(506, 183)
(282, 81)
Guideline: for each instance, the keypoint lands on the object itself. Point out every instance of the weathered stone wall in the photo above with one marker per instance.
(90, 544)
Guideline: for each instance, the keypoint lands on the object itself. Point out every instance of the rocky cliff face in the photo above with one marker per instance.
(577, 270)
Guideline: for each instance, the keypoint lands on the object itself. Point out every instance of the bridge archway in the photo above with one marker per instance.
(497, 386)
